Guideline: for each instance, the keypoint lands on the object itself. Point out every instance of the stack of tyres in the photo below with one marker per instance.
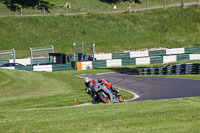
(173, 71)
(160, 71)
(148, 71)
(169, 70)
(164, 71)
(152, 71)
(183, 69)
(156, 71)
(188, 68)
(144, 71)
(195, 68)
(178, 69)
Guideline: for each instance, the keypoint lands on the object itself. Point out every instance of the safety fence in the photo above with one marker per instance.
(188, 68)
(136, 61)
(147, 53)
(114, 60)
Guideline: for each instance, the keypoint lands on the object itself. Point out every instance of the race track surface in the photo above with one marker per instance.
(152, 88)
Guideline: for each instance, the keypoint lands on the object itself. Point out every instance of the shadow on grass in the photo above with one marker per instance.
(118, 1)
(16, 5)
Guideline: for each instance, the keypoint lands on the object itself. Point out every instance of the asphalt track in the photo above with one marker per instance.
(153, 88)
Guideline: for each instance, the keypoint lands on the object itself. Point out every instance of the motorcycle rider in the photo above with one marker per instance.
(89, 83)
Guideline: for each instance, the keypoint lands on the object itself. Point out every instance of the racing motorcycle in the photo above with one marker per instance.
(102, 93)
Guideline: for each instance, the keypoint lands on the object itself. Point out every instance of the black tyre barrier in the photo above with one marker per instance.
(188, 68)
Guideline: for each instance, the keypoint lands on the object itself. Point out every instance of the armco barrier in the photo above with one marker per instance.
(182, 57)
(139, 54)
(175, 51)
(115, 62)
(148, 53)
(61, 67)
(120, 55)
(27, 68)
(103, 56)
(156, 60)
(194, 56)
(41, 61)
(157, 53)
(169, 59)
(192, 50)
(99, 63)
(142, 61)
(188, 68)
(128, 61)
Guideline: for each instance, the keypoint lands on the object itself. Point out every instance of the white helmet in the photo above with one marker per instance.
(87, 81)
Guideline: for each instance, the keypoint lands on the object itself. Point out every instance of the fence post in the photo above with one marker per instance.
(182, 4)
(165, 3)
(43, 11)
(197, 2)
(21, 11)
(109, 9)
(14, 55)
(146, 4)
(65, 10)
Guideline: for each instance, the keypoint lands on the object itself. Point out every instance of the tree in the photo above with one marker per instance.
(16, 5)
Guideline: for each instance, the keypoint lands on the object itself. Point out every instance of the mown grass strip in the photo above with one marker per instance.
(173, 27)
(172, 115)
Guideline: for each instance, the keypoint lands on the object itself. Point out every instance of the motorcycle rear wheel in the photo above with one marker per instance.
(104, 98)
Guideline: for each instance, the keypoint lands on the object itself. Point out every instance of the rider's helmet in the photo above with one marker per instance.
(87, 81)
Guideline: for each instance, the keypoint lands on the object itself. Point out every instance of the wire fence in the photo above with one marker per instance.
(103, 8)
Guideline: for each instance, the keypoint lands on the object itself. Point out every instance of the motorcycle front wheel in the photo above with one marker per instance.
(103, 97)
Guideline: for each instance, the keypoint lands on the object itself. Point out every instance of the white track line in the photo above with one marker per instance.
(134, 94)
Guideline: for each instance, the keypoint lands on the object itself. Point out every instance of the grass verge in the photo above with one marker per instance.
(26, 89)
(172, 115)
(173, 27)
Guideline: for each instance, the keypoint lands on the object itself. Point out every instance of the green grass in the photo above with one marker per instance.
(92, 6)
(25, 89)
(174, 27)
(173, 115)
(43, 102)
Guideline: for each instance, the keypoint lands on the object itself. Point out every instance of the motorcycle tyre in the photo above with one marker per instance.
(103, 98)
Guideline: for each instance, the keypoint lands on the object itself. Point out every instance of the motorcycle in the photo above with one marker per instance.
(102, 93)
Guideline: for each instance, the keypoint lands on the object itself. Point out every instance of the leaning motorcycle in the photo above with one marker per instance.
(101, 93)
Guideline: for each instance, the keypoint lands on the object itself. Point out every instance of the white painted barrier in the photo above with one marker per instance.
(168, 59)
(115, 62)
(194, 56)
(103, 56)
(86, 65)
(175, 51)
(47, 68)
(139, 54)
(142, 61)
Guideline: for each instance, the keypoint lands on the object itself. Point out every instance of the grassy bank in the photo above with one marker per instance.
(174, 115)
(174, 27)
(25, 89)
(43, 102)
(53, 7)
